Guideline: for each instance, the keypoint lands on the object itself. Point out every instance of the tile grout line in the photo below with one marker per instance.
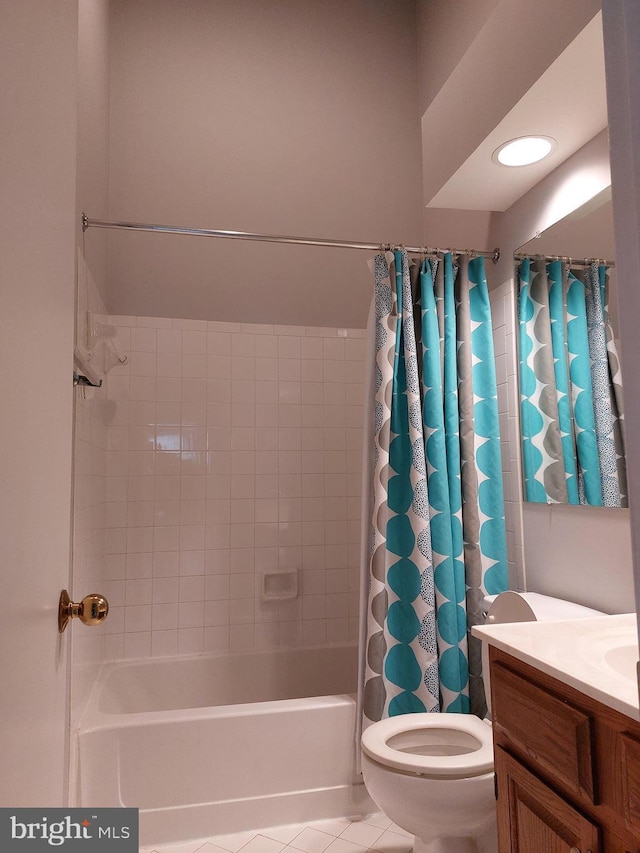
(404, 847)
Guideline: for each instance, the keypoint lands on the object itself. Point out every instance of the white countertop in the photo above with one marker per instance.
(597, 655)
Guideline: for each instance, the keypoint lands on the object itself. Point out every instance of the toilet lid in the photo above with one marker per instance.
(445, 745)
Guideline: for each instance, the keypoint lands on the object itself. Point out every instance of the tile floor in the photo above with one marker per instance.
(374, 832)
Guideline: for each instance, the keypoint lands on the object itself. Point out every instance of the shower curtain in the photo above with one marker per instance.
(437, 541)
(571, 388)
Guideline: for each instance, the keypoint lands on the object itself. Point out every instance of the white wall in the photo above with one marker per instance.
(293, 117)
(93, 127)
(577, 553)
(38, 48)
(495, 59)
(581, 553)
(444, 36)
(621, 23)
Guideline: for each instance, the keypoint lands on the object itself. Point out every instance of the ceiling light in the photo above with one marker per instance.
(524, 150)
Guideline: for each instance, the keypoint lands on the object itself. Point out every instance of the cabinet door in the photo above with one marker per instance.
(532, 818)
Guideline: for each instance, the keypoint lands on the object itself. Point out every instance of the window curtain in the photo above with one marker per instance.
(570, 385)
(437, 536)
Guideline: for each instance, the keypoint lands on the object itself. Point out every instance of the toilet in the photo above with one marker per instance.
(432, 774)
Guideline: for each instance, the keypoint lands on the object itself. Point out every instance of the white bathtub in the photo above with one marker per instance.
(207, 745)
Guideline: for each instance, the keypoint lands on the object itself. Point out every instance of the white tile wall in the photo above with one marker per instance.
(503, 311)
(232, 449)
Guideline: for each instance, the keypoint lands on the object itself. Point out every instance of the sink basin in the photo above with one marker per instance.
(610, 648)
(623, 659)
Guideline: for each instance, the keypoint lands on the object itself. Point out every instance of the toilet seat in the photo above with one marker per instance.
(437, 745)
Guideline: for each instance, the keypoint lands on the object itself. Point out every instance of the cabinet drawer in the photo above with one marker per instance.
(554, 735)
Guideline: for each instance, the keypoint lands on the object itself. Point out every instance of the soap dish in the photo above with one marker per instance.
(279, 585)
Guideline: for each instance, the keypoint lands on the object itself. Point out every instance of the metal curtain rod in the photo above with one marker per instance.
(573, 262)
(271, 238)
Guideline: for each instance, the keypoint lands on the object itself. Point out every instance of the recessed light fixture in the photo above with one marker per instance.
(524, 150)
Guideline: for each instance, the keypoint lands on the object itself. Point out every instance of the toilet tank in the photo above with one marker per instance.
(526, 607)
(532, 607)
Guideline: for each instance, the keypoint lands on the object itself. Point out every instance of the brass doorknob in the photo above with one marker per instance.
(91, 610)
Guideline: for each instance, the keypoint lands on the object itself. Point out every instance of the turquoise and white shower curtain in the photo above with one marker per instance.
(570, 385)
(437, 536)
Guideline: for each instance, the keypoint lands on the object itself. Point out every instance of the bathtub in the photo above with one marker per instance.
(211, 744)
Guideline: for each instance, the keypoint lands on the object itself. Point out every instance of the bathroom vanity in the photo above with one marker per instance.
(566, 729)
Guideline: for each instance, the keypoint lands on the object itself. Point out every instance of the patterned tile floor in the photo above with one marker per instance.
(374, 832)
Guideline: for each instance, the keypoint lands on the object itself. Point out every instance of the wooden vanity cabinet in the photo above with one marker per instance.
(567, 766)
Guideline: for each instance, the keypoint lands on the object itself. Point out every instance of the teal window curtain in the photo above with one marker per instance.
(570, 387)
(438, 534)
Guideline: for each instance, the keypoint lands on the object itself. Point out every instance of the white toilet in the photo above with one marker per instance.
(432, 774)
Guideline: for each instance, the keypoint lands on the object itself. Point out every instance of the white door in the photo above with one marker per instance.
(38, 57)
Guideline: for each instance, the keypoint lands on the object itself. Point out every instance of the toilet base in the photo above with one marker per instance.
(446, 845)
(486, 842)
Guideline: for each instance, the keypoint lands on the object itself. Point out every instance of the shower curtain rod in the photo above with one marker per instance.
(574, 262)
(87, 222)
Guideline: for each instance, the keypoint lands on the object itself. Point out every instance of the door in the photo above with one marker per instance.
(38, 54)
(532, 817)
